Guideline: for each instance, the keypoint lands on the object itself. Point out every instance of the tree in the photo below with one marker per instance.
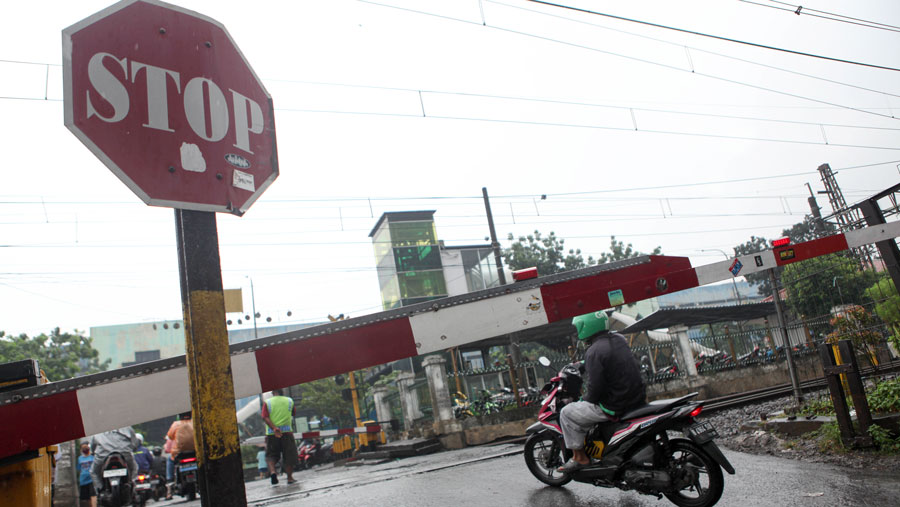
(549, 254)
(618, 251)
(59, 355)
(858, 325)
(323, 397)
(546, 254)
(798, 233)
(887, 306)
(754, 245)
(816, 285)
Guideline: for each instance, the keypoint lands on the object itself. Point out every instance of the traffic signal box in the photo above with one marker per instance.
(26, 478)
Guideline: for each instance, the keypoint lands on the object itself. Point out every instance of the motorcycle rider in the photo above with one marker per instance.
(122, 440)
(159, 464)
(142, 456)
(613, 385)
(181, 434)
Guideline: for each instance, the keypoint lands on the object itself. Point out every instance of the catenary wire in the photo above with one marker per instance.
(717, 37)
(633, 58)
(806, 11)
(694, 48)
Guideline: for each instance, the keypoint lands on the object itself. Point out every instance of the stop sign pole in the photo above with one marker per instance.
(208, 360)
(166, 100)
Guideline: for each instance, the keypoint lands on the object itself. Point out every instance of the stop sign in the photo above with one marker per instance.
(164, 97)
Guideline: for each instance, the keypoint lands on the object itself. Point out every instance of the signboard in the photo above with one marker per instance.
(163, 96)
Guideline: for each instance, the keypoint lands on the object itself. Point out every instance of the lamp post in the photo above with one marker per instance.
(737, 294)
(253, 304)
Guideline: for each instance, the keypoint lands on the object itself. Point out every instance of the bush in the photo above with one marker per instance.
(886, 396)
(828, 438)
(817, 406)
(886, 443)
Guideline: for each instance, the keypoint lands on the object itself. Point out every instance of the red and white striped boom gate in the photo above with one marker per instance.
(34, 417)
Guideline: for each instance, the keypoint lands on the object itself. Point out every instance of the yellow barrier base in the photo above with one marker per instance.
(28, 483)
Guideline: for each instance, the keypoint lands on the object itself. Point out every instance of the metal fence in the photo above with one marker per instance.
(836, 289)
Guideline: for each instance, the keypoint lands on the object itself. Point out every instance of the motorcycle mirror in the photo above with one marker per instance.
(544, 361)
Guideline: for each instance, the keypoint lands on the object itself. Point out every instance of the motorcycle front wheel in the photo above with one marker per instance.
(697, 477)
(544, 453)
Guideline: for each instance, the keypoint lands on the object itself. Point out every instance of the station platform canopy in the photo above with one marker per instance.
(696, 316)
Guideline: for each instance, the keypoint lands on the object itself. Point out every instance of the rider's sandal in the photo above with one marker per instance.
(572, 466)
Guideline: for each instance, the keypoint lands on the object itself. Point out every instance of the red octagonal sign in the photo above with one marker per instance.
(164, 97)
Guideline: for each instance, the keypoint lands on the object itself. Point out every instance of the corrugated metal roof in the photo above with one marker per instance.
(668, 317)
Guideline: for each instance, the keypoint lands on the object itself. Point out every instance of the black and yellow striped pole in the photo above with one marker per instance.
(216, 437)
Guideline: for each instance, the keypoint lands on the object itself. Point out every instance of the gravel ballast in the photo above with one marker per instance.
(735, 428)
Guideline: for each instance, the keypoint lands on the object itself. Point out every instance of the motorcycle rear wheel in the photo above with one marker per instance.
(692, 467)
(544, 453)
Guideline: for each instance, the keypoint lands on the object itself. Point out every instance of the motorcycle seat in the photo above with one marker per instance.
(656, 407)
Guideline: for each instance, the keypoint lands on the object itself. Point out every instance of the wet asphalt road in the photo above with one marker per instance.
(461, 478)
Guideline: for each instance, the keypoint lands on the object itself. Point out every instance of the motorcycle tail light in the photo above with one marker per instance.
(696, 411)
(189, 460)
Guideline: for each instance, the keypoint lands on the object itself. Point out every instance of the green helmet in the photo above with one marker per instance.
(590, 324)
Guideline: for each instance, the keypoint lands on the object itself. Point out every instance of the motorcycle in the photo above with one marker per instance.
(461, 406)
(143, 489)
(633, 452)
(117, 487)
(157, 486)
(311, 453)
(186, 475)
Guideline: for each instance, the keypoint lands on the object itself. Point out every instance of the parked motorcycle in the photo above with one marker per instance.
(461, 408)
(117, 487)
(634, 452)
(312, 453)
(186, 475)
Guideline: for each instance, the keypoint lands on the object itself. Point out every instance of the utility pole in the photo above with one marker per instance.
(495, 245)
(815, 210)
(253, 303)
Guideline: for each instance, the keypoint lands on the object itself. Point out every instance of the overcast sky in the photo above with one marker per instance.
(657, 137)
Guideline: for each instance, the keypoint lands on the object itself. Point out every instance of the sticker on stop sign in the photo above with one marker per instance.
(164, 97)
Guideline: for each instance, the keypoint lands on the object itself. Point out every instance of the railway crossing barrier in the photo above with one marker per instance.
(42, 415)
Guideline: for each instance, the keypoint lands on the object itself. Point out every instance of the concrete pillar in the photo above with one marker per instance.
(65, 477)
(382, 407)
(436, 373)
(409, 399)
(684, 351)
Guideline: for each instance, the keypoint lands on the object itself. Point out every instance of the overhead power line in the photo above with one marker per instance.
(627, 57)
(717, 37)
(693, 48)
(806, 11)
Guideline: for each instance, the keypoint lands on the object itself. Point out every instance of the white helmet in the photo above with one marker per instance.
(140, 438)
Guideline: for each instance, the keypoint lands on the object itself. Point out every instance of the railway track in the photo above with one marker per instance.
(768, 393)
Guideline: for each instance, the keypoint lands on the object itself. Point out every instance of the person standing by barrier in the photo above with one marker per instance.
(86, 493)
(278, 414)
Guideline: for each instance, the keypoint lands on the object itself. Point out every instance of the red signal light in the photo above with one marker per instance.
(781, 242)
(696, 411)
